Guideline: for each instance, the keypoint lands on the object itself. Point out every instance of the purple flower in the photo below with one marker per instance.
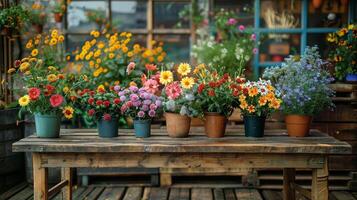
(241, 28)
(147, 95)
(145, 108)
(255, 50)
(253, 37)
(117, 88)
(141, 114)
(121, 93)
(122, 98)
(147, 102)
(134, 97)
(152, 113)
(231, 21)
(133, 88)
(153, 107)
(137, 103)
(158, 103)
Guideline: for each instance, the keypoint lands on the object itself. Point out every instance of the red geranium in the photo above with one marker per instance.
(91, 112)
(56, 100)
(211, 93)
(107, 117)
(34, 93)
(106, 103)
(91, 100)
(99, 102)
(200, 88)
(116, 100)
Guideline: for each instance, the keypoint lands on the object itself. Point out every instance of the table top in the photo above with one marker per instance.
(274, 141)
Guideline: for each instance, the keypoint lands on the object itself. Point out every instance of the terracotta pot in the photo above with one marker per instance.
(58, 17)
(178, 126)
(215, 125)
(298, 125)
(316, 3)
(38, 27)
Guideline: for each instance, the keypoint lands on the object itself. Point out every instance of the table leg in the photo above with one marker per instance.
(66, 174)
(40, 177)
(289, 178)
(319, 190)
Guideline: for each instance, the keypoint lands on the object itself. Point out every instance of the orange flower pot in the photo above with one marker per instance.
(178, 126)
(215, 125)
(298, 125)
(58, 17)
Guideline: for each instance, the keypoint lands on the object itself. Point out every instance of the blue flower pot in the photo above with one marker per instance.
(254, 126)
(351, 77)
(108, 129)
(47, 126)
(142, 128)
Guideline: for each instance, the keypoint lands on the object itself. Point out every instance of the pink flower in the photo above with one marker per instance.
(141, 114)
(91, 112)
(253, 37)
(150, 67)
(241, 28)
(130, 68)
(151, 86)
(231, 21)
(34, 93)
(255, 50)
(107, 117)
(173, 90)
(153, 107)
(152, 113)
(56, 100)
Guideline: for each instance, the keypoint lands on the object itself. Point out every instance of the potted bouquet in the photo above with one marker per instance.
(304, 88)
(59, 9)
(142, 106)
(38, 17)
(344, 52)
(104, 107)
(12, 19)
(257, 100)
(41, 75)
(216, 100)
(179, 99)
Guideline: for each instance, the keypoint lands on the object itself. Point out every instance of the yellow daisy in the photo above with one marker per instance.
(52, 78)
(24, 100)
(68, 112)
(184, 69)
(34, 52)
(166, 77)
(187, 82)
(24, 66)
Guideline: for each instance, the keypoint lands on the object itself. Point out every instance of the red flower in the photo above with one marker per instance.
(34, 93)
(73, 98)
(212, 84)
(106, 103)
(150, 67)
(17, 63)
(235, 93)
(56, 100)
(116, 100)
(99, 102)
(91, 93)
(91, 101)
(200, 88)
(226, 76)
(91, 112)
(245, 91)
(211, 93)
(129, 103)
(107, 117)
(50, 89)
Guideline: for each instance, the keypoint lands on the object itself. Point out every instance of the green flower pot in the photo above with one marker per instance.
(254, 126)
(142, 128)
(47, 126)
(108, 129)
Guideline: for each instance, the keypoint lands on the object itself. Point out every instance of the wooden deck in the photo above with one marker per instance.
(25, 192)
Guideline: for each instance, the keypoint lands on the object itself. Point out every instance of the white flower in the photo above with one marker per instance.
(184, 110)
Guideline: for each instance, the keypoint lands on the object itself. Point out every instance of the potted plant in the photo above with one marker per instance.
(42, 77)
(142, 106)
(215, 99)
(38, 17)
(59, 9)
(98, 17)
(179, 99)
(344, 52)
(103, 105)
(257, 100)
(12, 19)
(304, 87)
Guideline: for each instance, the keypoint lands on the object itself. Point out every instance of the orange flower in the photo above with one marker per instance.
(253, 91)
(251, 109)
(262, 101)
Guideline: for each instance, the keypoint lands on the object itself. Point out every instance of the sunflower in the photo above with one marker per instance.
(24, 100)
(34, 52)
(52, 78)
(166, 77)
(68, 112)
(187, 82)
(184, 69)
(53, 42)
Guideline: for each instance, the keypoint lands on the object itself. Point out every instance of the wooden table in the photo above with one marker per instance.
(83, 148)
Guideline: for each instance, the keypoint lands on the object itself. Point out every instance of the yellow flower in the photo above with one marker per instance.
(91, 63)
(130, 54)
(51, 68)
(24, 100)
(52, 78)
(184, 69)
(98, 60)
(24, 66)
(275, 103)
(101, 45)
(251, 109)
(270, 96)
(198, 68)
(100, 87)
(132, 83)
(160, 58)
(124, 49)
(97, 53)
(262, 101)
(33, 60)
(68, 112)
(242, 98)
(111, 55)
(331, 37)
(166, 77)
(53, 42)
(350, 27)
(243, 105)
(54, 33)
(187, 82)
(11, 70)
(136, 46)
(65, 90)
(253, 92)
(34, 52)
(29, 45)
(37, 42)
(96, 34)
(60, 38)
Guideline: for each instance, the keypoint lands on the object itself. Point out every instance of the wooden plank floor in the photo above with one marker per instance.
(25, 192)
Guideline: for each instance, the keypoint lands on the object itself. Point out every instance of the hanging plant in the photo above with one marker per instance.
(13, 19)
